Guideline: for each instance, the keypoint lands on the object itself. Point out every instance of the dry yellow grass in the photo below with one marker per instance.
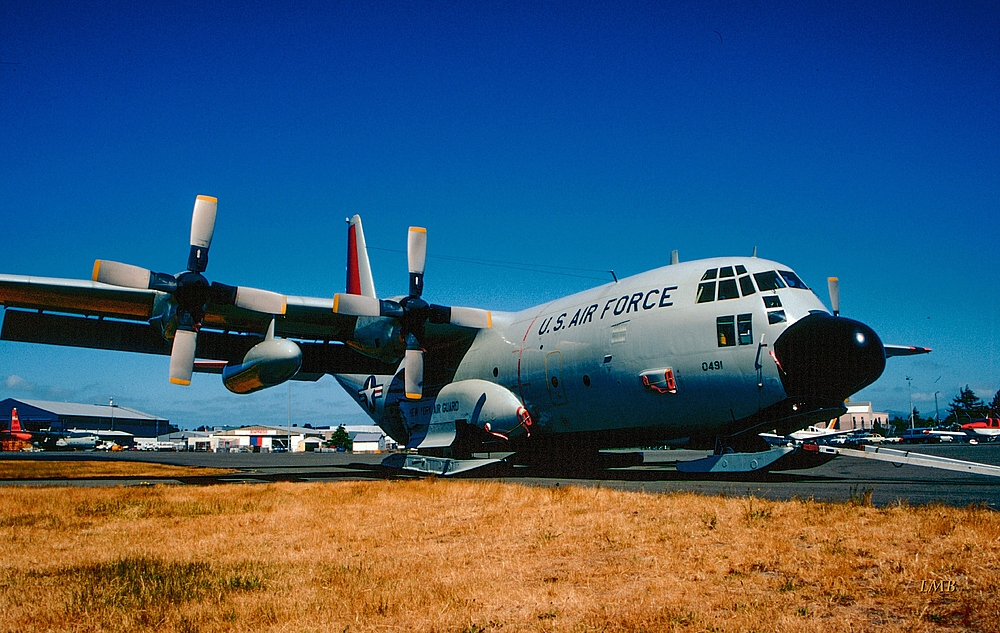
(40, 469)
(458, 556)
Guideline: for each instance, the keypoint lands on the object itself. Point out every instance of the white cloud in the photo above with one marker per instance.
(16, 383)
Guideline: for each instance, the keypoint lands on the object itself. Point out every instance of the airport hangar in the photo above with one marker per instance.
(37, 415)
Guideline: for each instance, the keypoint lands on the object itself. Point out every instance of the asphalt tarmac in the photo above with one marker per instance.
(840, 480)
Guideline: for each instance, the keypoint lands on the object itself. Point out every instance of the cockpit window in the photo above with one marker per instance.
(793, 280)
(726, 271)
(744, 326)
(706, 292)
(725, 327)
(710, 274)
(768, 281)
(746, 285)
(727, 289)
(741, 269)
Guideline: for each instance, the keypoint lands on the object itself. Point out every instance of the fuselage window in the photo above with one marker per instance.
(772, 301)
(726, 271)
(727, 289)
(741, 270)
(793, 280)
(778, 316)
(744, 327)
(726, 329)
(706, 292)
(709, 274)
(768, 281)
(746, 285)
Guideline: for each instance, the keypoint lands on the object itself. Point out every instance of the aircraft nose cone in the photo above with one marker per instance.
(828, 358)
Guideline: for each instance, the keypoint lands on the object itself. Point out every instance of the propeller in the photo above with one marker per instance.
(190, 289)
(413, 312)
(833, 284)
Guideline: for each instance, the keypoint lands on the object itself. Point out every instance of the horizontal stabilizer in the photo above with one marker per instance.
(904, 350)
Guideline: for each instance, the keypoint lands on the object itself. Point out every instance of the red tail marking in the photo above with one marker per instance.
(15, 422)
(353, 274)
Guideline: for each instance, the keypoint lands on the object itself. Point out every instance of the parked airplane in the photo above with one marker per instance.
(809, 434)
(16, 431)
(61, 440)
(924, 435)
(988, 427)
(75, 440)
(702, 353)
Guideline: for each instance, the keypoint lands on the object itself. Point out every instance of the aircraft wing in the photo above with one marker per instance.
(904, 350)
(94, 315)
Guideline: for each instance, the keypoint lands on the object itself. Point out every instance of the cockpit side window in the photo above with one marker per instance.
(793, 280)
(744, 327)
(710, 274)
(768, 281)
(706, 292)
(725, 327)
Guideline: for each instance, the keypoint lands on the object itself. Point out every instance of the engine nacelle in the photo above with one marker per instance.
(378, 338)
(480, 403)
(267, 364)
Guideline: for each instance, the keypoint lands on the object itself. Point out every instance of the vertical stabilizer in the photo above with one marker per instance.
(15, 422)
(359, 271)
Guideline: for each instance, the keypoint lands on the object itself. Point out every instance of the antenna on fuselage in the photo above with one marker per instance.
(674, 257)
(613, 275)
(754, 252)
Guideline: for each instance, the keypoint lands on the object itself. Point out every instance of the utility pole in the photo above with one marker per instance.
(937, 412)
(909, 389)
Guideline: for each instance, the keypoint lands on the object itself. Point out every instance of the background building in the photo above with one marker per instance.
(861, 417)
(37, 415)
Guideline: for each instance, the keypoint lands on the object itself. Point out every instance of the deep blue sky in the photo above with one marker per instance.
(856, 141)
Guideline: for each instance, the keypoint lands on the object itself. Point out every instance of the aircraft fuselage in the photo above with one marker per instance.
(578, 363)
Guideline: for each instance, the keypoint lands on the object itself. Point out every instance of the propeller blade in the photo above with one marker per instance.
(356, 305)
(413, 373)
(416, 257)
(472, 317)
(202, 228)
(182, 357)
(260, 300)
(834, 285)
(118, 274)
(464, 317)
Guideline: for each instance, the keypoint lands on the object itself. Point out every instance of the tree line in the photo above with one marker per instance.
(964, 408)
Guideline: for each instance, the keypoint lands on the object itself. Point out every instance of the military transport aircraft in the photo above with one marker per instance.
(16, 431)
(48, 439)
(706, 353)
